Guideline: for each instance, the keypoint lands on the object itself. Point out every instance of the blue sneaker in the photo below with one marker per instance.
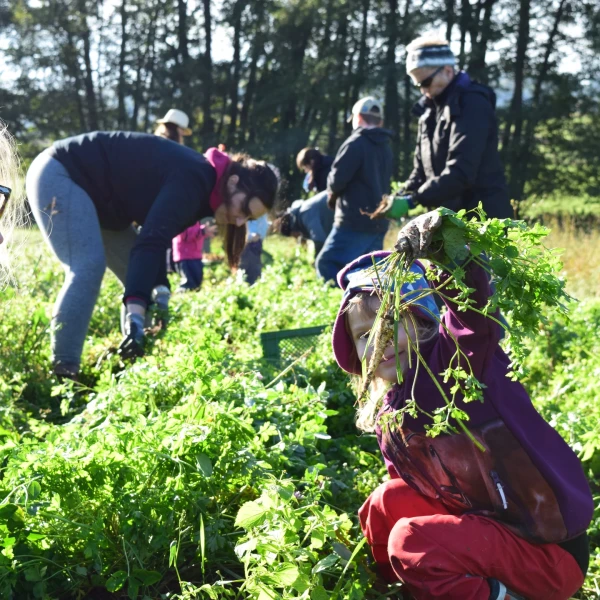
(500, 592)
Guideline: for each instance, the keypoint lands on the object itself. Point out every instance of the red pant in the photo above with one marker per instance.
(438, 554)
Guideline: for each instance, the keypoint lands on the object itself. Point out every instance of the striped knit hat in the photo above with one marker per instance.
(437, 55)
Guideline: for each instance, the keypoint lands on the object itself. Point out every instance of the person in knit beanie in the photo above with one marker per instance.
(456, 162)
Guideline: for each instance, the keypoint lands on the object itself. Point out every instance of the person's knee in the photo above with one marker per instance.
(326, 268)
(375, 514)
(87, 273)
(405, 545)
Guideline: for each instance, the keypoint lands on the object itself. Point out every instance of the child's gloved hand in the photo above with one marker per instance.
(415, 237)
(132, 344)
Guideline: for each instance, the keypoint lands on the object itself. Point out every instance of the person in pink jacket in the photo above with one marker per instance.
(187, 255)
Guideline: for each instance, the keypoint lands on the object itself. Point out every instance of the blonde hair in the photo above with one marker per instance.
(425, 41)
(10, 171)
(425, 330)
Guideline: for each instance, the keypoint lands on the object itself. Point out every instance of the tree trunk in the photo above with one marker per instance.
(88, 80)
(392, 114)
(465, 24)
(207, 122)
(516, 106)
(526, 147)
(184, 71)
(73, 69)
(450, 19)
(477, 65)
(121, 115)
(258, 48)
(361, 66)
(236, 70)
(143, 65)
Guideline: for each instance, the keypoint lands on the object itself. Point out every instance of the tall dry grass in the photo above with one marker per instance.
(580, 257)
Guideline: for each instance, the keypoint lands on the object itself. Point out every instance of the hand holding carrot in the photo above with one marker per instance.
(415, 237)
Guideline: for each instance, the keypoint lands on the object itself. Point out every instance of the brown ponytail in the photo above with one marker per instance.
(257, 180)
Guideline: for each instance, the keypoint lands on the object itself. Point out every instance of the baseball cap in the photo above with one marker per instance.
(358, 277)
(367, 106)
(179, 118)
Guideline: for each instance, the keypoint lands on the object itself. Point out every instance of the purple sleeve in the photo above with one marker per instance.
(477, 335)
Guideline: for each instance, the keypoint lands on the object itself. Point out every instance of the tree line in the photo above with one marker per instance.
(297, 67)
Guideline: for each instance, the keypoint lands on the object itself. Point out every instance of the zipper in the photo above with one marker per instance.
(500, 488)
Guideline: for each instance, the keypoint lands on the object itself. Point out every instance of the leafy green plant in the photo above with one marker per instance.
(523, 275)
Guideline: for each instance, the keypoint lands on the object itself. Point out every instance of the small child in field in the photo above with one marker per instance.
(454, 522)
(187, 256)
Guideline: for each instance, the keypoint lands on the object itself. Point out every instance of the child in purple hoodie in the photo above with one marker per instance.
(453, 521)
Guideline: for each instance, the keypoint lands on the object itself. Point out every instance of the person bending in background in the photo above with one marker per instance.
(358, 180)
(456, 162)
(174, 126)
(251, 259)
(316, 166)
(86, 191)
(310, 219)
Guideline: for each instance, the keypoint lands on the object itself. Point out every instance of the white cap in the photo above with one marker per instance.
(179, 118)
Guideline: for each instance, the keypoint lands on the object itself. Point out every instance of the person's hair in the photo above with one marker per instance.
(372, 119)
(14, 215)
(256, 180)
(169, 131)
(425, 330)
(284, 224)
(306, 156)
(426, 41)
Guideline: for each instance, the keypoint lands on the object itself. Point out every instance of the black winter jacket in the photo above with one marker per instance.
(457, 164)
(321, 172)
(359, 177)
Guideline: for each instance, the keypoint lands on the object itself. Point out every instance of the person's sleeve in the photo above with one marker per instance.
(468, 139)
(346, 164)
(477, 335)
(175, 208)
(417, 176)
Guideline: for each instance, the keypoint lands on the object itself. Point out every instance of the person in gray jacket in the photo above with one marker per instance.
(456, 163)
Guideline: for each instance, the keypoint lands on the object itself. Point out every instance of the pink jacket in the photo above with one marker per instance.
(188, 245)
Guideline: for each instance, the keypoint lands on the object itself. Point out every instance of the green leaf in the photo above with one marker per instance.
(285, 575)
(34, 490)
(116, 581)
(204, 464)
(251, 515)
(172, 553)
(325, 563)
(319, 593)
(146, 577)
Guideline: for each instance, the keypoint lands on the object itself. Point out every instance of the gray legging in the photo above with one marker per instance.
(69, 223)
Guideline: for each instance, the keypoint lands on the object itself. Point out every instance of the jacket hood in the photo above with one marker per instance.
(461, 84)
(376, 135)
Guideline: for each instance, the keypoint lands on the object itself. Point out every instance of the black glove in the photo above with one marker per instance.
(132, 344)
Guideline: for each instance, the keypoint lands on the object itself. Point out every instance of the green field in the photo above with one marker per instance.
(201, 471)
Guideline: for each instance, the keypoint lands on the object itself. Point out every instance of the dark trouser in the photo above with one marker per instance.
(191, 273)
(250, 261)
(342, 246)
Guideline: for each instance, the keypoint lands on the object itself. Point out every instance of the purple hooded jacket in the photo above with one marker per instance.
(528, 478)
